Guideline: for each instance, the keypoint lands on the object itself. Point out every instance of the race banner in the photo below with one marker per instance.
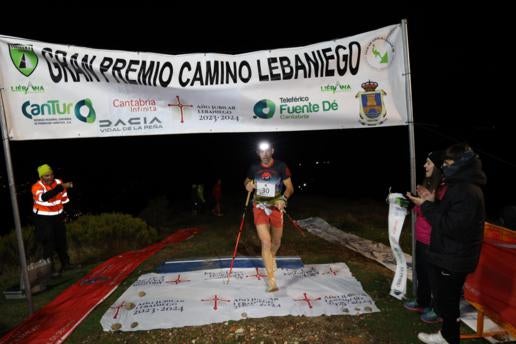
(202, 297)
(55, 91)
(397, 212)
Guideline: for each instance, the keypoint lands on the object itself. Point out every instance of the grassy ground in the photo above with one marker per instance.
(365, 218)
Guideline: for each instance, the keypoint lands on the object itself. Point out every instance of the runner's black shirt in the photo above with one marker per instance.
(269, 180)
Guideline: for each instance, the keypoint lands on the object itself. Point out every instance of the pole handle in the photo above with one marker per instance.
(248, 198)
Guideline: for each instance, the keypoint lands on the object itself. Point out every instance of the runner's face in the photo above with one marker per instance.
(266, 155)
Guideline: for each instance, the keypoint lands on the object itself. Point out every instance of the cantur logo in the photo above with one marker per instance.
(24, 58)
(83, 109)
(264, 108)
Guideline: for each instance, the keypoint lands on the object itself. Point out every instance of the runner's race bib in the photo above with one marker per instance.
(265, 189)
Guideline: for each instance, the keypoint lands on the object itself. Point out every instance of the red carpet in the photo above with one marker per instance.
(54, 322)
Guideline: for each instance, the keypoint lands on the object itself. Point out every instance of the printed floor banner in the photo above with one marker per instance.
(370, 249)
(54, 322)
(204, 297)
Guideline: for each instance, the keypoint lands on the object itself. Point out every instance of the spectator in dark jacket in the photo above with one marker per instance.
(457, 232)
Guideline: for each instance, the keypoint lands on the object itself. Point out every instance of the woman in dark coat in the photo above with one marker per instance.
(457, 232)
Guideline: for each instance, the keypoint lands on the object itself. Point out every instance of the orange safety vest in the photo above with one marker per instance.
(53, 206)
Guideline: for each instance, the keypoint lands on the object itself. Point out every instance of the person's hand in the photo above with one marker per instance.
(250, 186)
(280, 204)
(425, 194)
(414, 199)
(68, 185)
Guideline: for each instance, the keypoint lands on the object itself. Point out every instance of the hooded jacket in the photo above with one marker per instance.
(458, 219)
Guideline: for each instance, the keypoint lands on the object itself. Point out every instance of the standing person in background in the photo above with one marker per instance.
(271, 179)
(198, 200)
(49, 196)
(217, 198)
(457, 233)
(433, 181)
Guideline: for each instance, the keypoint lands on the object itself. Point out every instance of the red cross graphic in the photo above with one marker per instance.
(215, 300)
(117, 309)
(180, 106)
(333, 272)
(258, 275)
(307, 299)
(178, 280)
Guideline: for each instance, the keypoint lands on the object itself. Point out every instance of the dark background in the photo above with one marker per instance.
(459, 68)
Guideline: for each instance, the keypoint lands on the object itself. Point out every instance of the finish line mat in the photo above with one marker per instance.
(203, 297)
(224, 263)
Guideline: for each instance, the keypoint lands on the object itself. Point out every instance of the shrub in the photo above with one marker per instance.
(90, 238)
(9, 257)
(94, 237)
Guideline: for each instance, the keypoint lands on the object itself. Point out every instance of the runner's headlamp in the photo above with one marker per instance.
(263, 146)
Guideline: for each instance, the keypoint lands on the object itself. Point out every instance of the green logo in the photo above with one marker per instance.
(382, 59)
(88, 117)
(24, 58)
(264, 108)
(380, 53)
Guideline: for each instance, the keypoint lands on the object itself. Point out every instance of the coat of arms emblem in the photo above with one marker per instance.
(372, 105)
(24, 58)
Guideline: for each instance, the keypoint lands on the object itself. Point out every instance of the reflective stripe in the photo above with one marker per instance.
(49, 204)
(46, 213)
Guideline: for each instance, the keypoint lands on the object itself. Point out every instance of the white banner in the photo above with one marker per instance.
(202, 297)
(62, 91)
(397, 214)
(373, 250)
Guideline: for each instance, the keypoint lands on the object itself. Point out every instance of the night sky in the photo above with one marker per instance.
(456, 61)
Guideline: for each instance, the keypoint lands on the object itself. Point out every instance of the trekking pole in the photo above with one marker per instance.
(294, 223)
(238, 236)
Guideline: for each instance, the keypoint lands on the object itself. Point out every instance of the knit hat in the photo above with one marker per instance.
(44, 169)
(437, 157)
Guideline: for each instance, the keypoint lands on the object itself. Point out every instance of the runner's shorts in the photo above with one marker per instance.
(275, 219)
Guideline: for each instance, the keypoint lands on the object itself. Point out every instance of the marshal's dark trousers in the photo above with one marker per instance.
(51, 236)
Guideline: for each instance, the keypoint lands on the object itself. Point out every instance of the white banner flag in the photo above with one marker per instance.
(202, 297)
(397, 214)
(62, 91)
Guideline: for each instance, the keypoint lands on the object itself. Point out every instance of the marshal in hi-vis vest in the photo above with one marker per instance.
(53, 206)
